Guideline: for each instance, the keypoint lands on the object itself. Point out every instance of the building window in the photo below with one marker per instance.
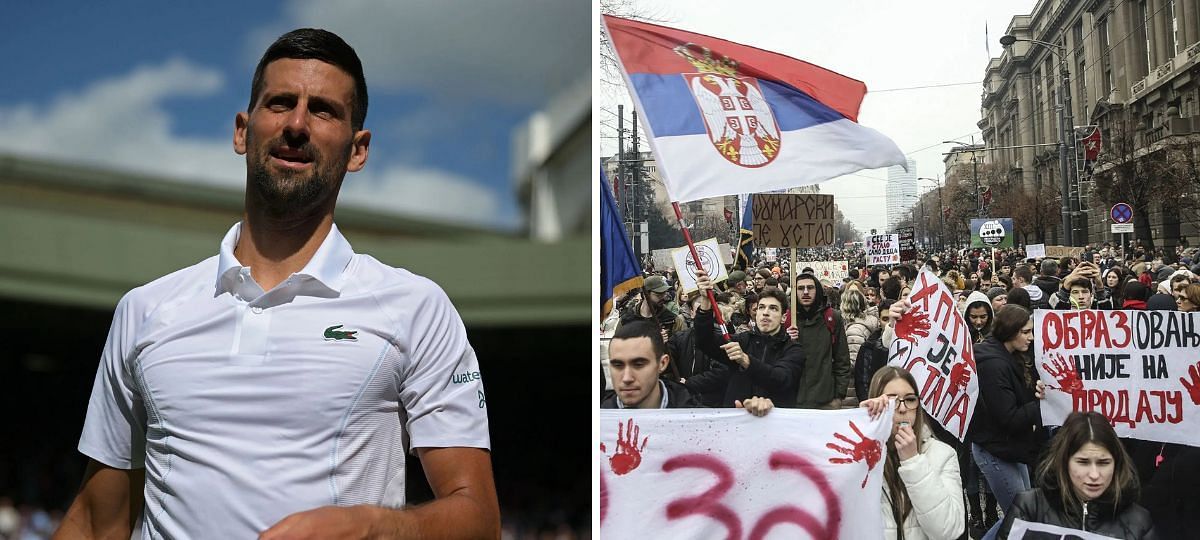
(1083, 97)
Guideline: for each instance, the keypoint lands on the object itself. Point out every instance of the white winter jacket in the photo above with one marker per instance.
(935, 490)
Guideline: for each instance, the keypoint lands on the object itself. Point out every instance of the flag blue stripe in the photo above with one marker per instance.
(671, 109)
(618, 264)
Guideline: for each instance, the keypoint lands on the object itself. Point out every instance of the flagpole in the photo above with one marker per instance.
(712, 297)
(792, 281)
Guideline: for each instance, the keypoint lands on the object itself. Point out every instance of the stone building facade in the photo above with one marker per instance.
(1131, 69)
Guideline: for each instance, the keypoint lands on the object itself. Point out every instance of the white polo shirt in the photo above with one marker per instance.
(246, 406)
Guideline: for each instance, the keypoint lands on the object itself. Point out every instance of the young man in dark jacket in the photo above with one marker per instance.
(762, 362)
(822, 334)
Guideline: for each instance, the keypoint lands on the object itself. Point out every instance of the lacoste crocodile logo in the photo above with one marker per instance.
(333, 334)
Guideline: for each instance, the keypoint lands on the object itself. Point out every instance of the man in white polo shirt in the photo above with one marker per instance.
(276, 388)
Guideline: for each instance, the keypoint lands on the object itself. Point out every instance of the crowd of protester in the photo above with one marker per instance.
(831, 352)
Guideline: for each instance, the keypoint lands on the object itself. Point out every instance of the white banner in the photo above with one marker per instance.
(828, 271)
(882, 249)
(933, 343)
(1141, 369)
(723, 473)
(1035, 251)
(1026, 530)
(710, 259)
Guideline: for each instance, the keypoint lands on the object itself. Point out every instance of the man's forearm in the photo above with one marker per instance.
(458, 515)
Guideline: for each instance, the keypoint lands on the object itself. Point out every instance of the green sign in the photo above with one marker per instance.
(992, 233)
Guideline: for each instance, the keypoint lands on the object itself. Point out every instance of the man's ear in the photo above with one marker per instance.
(241, 122)
(360, 146)
(663, 361)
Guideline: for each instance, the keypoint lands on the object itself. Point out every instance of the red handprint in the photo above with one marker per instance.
(1192, 386)
(912, 325)
(867, 449)
(628, 455)
(960, 375)
(1064, 372)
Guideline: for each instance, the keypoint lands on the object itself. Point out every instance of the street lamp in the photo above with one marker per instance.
(1064, 119)
(974, 172)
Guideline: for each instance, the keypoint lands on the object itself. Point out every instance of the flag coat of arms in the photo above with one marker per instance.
(726, 118)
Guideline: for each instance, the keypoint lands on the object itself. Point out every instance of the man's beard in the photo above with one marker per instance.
(286, 193)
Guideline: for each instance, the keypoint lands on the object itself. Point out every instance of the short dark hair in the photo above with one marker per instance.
(1080, 282)
(1022, 271)
(776, 294)
(317, 44)
(891, 288)
(646, 329)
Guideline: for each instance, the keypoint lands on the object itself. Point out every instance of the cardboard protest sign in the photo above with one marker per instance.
(832, 271)
(1035, 251)
(908, 243)
(710, 260)
(882, 249)
(1058, 252)
(1027, 530)
(933, 343)
(723, 473)
(788, 220)
(992, 233)
(1141, 369)
(661, 258)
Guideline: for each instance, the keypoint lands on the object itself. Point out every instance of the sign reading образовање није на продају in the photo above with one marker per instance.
(1140, 369)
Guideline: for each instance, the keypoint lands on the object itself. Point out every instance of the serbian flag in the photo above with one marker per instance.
(725, 118)
(619, 268)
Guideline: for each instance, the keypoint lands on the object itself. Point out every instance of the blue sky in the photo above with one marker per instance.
(153, 87)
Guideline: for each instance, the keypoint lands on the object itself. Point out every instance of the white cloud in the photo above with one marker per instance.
(121, 122)
(515, 52)
(424, 192)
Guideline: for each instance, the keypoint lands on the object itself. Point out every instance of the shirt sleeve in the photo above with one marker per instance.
(114, 431)
(441, 389)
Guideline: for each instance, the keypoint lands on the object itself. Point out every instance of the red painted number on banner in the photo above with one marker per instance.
(708, 504)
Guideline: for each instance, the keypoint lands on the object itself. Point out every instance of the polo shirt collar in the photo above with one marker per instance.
(326, 267)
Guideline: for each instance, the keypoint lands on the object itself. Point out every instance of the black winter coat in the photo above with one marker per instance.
(776, 363)
(1044, 505)
(689, 361)
(1007, 417)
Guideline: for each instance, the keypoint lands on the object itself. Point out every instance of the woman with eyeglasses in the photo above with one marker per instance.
(922, 491)
(1005, 427)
